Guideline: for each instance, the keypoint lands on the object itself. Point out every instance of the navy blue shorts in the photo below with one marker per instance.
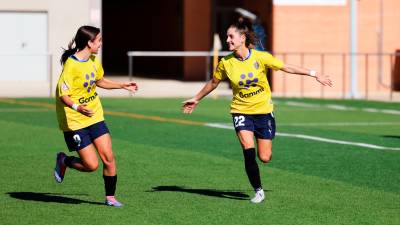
(79, 139)
(263, 125)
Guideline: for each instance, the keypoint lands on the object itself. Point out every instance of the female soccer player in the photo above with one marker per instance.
(79, 110)
(251, 106)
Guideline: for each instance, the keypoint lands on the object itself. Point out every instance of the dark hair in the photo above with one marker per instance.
(80, 41)
(245, 27)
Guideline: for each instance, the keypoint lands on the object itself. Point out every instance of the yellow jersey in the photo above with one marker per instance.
(248, 78)
(78, 80)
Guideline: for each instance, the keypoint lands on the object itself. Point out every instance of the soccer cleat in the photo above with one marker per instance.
(111, 201)
(59, 171)
(259, 196)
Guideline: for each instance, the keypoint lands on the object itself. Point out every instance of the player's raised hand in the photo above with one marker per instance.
(324, 79)
(85, 110)
(130, 86)
(189, 105)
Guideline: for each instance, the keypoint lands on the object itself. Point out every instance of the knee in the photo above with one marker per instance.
(247, 145)
(109, 161)
(265, 158)
(92, 166)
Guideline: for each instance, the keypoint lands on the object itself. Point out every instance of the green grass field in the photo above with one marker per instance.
(172, 171)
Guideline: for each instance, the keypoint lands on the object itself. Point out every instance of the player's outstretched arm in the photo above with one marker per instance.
(109, 84)
(190, 104)
(321, 78)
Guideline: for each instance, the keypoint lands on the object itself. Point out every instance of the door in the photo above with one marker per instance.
(23, 46)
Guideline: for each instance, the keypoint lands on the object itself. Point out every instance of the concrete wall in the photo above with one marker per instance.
(64, 18)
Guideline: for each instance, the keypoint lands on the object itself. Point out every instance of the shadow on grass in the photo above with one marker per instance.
(392, 136)
(237, 195)
(48, 197)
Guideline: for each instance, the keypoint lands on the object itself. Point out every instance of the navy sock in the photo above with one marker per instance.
(251, 166)
(68, 161)
(110, 183)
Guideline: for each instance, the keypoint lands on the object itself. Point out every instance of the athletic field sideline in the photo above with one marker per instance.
(334, 162)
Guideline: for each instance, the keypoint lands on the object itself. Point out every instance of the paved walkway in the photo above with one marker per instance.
(153, 88)
(148, 88)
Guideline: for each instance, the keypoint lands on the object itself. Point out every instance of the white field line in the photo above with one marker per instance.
(224, 126)
(359, 144)
(306, 105)
(327, 124)
(341, 107)
(340, 124)
(314, 138)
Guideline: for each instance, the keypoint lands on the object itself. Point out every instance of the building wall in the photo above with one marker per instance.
(64, 18)
(296, 29)
(325, 29)
(196, 37)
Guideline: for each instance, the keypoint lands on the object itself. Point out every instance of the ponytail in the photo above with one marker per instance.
(68, 52)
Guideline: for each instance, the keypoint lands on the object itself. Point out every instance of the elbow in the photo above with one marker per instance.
(214, 83)
(288, 69)
(101, 85)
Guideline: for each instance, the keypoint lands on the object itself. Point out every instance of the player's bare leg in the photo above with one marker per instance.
(264, 150)
(86, 163)
(104, 148)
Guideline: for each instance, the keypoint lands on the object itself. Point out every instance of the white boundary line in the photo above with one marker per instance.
(224, 126)
(339, 107)
(314, 138)
(358, 144)
(328, 124)
(339, 124)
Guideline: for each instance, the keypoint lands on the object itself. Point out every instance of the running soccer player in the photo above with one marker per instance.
(251, 106)
(79, 110)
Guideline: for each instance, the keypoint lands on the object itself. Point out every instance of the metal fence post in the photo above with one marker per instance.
(284, 78)
(208, 76)
(130, 67)
(302, 77)
(391, 75)
(50, 68)
(366, 76)
(344, 76)
(323, 72)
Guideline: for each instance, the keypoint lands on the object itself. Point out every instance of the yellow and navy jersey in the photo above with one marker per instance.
(78, 80)
(248, 78)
